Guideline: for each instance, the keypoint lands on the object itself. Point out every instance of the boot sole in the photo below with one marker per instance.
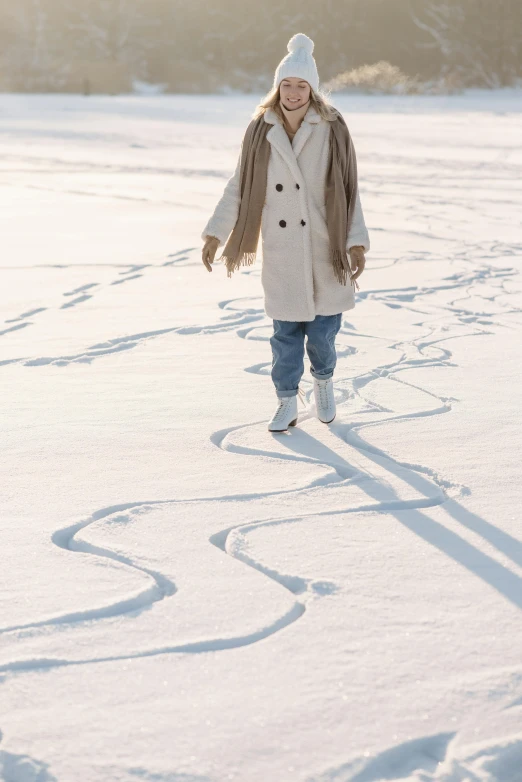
(327, 422)
(292, 423)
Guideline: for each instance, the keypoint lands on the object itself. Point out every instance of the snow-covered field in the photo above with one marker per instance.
(185, 597)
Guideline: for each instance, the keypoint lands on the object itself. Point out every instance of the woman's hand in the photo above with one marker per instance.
(357, 262)
(209, 251)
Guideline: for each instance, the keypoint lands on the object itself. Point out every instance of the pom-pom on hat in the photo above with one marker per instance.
(299, 62)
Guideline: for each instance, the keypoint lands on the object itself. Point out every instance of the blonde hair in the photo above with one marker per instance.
(318, 100)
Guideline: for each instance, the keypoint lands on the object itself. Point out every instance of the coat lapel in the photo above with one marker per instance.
(277, 136)
(302, 136)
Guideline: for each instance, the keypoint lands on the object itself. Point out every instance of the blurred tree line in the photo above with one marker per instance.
(218, 45)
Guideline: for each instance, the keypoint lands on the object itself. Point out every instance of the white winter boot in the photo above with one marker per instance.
(286, 413)
(324, 400)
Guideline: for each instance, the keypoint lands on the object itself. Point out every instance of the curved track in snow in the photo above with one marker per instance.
(246, 318)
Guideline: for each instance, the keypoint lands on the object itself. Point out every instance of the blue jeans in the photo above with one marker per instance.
(287, 343)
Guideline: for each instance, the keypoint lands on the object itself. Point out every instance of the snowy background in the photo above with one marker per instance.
(185, 597)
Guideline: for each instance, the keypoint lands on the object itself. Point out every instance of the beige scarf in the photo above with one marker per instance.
(340, 195)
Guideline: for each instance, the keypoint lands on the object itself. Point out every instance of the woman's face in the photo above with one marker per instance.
(294, 92)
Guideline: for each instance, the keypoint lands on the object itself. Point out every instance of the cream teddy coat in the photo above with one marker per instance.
(297, 275)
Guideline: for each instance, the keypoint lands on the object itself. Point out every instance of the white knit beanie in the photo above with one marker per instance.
(299, 62)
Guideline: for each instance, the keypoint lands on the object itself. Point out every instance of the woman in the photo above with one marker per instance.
(296, 183)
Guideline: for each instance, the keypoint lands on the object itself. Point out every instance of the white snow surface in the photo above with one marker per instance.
(185, 597)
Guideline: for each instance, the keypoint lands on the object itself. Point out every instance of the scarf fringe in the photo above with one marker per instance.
(341, 266)
(233, 264)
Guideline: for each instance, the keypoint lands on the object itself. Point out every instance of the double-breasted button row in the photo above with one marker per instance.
(279, 187)
(282, 223)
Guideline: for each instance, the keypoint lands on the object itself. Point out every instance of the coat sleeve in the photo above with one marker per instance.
(226, 212)
(358, 234)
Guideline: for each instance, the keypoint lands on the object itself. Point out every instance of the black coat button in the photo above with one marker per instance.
(282, 223)
(279, 187)
(303, 222)
(297, 186)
